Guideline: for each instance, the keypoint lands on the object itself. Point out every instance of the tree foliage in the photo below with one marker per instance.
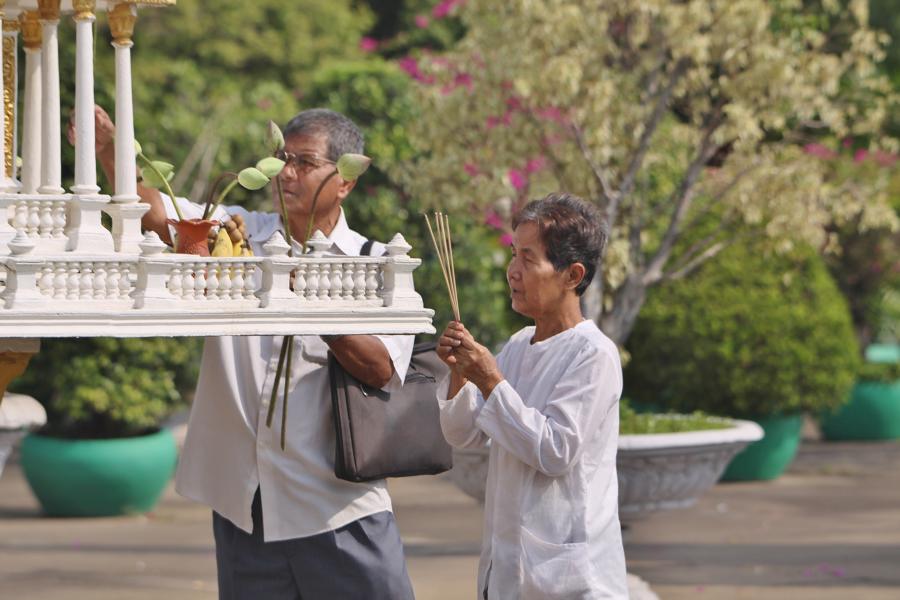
(661, 113)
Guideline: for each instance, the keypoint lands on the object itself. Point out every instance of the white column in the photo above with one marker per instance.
(85, 157)
(51, 165)
(31, 120)
(31, 135)
(126, 171)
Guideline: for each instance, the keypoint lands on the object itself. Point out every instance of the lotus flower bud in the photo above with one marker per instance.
(351, 166)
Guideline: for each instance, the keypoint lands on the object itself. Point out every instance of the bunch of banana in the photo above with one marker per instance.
(230, 239)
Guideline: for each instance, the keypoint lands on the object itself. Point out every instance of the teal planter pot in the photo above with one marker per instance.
(873, 413)
(769, 457)
(95, 478)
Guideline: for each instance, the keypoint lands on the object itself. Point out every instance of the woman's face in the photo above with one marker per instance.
(536, 288)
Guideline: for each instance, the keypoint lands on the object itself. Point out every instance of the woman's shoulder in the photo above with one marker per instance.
(593, 343)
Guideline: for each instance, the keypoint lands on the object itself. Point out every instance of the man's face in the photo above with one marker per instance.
(305, 170)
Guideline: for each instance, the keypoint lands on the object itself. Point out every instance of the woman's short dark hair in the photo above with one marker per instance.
(572, 231)
(343, 136)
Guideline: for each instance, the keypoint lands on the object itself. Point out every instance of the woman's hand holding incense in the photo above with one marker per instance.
(468, 360)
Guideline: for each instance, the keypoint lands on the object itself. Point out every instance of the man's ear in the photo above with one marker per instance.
(574, 274)
(345, 188)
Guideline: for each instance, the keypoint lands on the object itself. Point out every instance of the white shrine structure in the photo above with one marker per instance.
(63, 274)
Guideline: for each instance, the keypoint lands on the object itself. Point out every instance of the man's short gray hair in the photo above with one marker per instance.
(343, 136)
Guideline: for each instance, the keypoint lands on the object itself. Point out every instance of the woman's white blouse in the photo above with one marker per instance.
(551, 521)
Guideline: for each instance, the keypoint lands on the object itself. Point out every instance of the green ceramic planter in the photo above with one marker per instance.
(94, 478)
(769, 457)
(873, 413)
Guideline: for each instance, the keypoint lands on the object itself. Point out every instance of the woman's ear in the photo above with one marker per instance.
(574, 274)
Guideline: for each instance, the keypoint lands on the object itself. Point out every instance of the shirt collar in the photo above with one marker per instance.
(341, 238)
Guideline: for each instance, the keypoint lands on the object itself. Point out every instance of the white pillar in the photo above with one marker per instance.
(122, 19)
(31, 134)
(85, 157)
(51, 165)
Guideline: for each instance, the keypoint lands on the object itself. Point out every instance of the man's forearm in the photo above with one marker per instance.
(364, 357)
(155, 218)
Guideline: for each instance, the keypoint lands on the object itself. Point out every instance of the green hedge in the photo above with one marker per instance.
(751, 334)
(109, 387)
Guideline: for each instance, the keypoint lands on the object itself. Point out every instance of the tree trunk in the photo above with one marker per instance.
(617, 324)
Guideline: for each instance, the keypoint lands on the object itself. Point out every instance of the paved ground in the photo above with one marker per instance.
(829, 529)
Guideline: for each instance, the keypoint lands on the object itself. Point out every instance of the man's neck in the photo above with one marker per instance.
(324, 223)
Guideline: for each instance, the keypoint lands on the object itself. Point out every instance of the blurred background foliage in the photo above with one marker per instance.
(208, 76)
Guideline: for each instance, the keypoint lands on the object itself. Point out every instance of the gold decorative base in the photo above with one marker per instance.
(14, 357)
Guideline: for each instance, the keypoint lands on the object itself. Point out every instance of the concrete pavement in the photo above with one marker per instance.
(828, 529)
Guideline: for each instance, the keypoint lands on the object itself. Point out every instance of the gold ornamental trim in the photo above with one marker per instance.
(84, 9)
(9, 99)
(48, 9)
(32, 33)
(151, 2)
(121, 22)
(10, 25)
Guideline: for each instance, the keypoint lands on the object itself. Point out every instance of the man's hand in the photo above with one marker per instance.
(236, 228)
(104, 132)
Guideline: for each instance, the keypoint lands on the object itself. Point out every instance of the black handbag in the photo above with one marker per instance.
(381, 434)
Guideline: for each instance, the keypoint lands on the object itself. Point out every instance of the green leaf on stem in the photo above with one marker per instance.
(351, 166)
(137, 148)
(252, 178)
(153, 175)
(270, 166)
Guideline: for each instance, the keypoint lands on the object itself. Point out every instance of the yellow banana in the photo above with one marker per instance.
(236, 248)
(222, 247)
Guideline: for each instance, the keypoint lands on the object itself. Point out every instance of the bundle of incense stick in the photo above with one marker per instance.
(444, 248)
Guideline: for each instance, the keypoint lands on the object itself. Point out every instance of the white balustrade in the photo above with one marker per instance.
(62, 273)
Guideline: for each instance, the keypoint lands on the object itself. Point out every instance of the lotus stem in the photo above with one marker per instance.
(165, 184)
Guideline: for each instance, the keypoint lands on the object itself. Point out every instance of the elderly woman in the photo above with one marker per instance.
(548, 404)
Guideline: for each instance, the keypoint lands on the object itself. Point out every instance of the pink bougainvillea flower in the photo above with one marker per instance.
(463, 79)
(861, 155)
(410, 65)
(506, 239)
(421, 21)
(550, 113)
(820, 151)
(885, 159)
(367, 44)
(443, 8)
(848, 142)
(494, 220)
(535, 164)
(517, 179)
(514, 103)
(471, 169)
(491, 122)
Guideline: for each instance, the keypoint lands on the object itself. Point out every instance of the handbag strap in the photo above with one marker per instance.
(366, 249)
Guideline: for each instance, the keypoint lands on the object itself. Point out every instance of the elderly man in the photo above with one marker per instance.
(284, 525)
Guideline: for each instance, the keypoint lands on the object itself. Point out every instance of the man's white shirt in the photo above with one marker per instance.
(229, 451)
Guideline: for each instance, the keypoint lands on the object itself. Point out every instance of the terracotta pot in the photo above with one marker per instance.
(191, 235)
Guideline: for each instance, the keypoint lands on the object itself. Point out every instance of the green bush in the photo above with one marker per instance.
(109, 387)
(751, 334)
